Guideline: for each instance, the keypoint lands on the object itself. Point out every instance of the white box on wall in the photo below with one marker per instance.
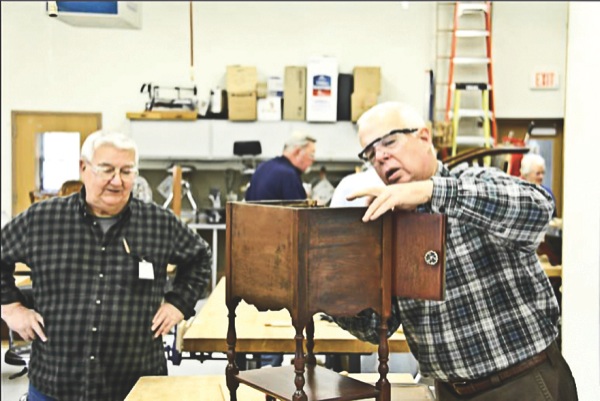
(269, 109)
(97, 14)
(321, 89)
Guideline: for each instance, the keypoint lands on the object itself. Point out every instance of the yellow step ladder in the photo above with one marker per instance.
(476, 75)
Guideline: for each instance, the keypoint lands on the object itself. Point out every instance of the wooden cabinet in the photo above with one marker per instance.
(310, 259)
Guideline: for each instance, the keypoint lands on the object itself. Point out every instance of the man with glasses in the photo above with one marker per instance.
(493, 337)
(280, 179)
(98, 262)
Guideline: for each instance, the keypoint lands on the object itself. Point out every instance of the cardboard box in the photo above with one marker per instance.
(242, 106)
(269, 109)
(367, 79)
(362, 102)
(241, 79)
(321, 89)
(261, 90)
(241, 93)
(294, 93)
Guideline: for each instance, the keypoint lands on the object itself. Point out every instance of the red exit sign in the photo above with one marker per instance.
(544, 80)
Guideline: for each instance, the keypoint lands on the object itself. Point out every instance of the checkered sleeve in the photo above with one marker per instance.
(513, 210)
(193, 258)
(365, 325)
(14, 243)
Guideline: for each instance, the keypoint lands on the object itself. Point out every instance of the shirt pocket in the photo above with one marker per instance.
(129, 273)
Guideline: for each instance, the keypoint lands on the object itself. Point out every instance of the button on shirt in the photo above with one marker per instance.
(499, 307)
(97, 311)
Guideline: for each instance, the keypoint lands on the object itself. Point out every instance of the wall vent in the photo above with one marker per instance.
(98, 14)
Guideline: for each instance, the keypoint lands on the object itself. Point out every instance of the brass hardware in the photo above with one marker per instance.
(431, 258)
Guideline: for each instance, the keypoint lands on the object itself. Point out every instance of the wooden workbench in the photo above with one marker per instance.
(213, 388)
(269, 332)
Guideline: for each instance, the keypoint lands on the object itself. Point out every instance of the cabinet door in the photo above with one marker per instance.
(168, 140)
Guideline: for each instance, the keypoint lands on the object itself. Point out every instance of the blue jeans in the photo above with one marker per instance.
(271, 359)
(34, 395)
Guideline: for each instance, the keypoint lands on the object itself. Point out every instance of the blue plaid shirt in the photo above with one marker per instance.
(97, 311)
(499, 307)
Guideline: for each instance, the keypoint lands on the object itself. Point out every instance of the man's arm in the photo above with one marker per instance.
(509, 208)
(26, 322)
(193, 258)
(513, 210)
(365, 325)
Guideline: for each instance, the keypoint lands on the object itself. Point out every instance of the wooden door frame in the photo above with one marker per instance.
(15, 114)
(520, 125)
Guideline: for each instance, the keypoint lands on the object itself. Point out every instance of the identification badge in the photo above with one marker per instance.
(146, 270)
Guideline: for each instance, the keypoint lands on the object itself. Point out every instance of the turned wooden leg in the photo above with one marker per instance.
(232, 369)
(383, 385)
(310, 343)
(299, 394)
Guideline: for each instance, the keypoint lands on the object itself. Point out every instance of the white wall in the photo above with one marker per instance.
(51, 66)
(528, 36)
(581, 239)
(48, 65)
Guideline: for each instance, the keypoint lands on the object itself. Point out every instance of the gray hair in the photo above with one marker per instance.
(116, 139)
(530, 160)
(409, 116)
(298, 140)
(405, 112)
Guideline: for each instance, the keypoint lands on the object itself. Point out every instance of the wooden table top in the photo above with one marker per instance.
(270, 331)
(213, 388)
(21, 268)
(550, 270)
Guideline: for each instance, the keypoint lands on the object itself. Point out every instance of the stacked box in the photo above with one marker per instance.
(367, 87)
(241, 92)
(321, 89)
(294, 93)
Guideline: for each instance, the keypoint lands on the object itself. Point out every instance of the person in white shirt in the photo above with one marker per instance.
(353, 182)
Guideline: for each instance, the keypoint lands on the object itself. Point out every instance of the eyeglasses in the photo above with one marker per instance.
(108, 172)
(388, 141)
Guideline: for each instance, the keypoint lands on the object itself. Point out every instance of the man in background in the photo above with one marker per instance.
(280, 177)
(533, 170)
(366, 178)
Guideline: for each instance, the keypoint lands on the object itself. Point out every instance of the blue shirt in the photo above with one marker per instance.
(499, 308)
(276, 179)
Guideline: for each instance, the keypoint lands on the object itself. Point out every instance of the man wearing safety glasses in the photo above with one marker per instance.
(493, 337)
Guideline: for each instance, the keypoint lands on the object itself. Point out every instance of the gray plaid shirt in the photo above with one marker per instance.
(97, 311)
(500, 307)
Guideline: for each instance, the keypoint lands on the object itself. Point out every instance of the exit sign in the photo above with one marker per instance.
(544, 80)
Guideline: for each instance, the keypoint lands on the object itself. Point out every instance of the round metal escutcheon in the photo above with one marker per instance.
(431, 258)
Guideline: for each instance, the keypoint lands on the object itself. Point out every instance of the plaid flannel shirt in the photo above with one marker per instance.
(499, 307)
(97, 311)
